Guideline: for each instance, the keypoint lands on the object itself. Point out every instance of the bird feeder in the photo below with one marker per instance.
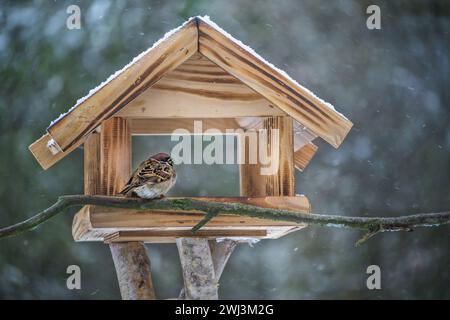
(197, 72)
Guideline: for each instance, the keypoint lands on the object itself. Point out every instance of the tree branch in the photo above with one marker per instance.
(372, 225)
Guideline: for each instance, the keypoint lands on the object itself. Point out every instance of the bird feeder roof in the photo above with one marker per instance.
(202, 39)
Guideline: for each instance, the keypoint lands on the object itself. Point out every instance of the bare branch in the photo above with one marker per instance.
(372, 225)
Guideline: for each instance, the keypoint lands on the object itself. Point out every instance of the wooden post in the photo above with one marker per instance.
(107, 158)
(133, 270)
(281, 183)
(220, 252)
(200, 282)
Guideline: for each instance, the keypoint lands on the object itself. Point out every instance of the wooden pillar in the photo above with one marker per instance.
(281, 183)
(107, 159)
(200, 282)
(217, 252)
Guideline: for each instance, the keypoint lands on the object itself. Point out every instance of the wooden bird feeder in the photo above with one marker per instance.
(196, 72)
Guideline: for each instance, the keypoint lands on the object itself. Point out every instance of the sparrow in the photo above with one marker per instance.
(153, 178)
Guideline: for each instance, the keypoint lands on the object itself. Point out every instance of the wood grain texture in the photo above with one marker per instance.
(196, 72)
(198, 88)
(44, 156)
(303, 156)
(169, 236)
(142, 126)
(133, 270)
(117, 225)
(296, 101)
(103, 217)
(198, 269)
(92, 164)
(120, 91)
(115, 148)
(282, 183)
(221, 252)
(130, 258)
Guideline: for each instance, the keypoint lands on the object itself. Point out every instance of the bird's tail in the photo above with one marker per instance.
(127, 190)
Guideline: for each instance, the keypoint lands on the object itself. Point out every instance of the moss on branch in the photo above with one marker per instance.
(372, 225)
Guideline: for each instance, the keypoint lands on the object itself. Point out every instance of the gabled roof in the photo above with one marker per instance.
(198, 34)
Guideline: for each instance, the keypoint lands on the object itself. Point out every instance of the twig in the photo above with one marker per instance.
(369, 224)
(211, 214)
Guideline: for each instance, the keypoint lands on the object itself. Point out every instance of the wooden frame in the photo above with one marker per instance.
(196, 71)
(118, 225)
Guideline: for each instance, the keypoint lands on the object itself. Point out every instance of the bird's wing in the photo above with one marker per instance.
(149, 172)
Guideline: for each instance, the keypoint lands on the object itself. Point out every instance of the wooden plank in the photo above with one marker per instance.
(98, 223)
(281, 185)
(44, 156)
(296, 101)
(130, 259)
(115, 151)
(103, 217)
(198, 269)
(303, 156)
(199, 88)
(81, 227)
(255, 184)
(133, 270)
(169, 236)
(167, 126)
(117, 93)
(92, 161)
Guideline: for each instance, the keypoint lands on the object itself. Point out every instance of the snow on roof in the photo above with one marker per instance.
(270, 65)
(207, 20)
(118, 72)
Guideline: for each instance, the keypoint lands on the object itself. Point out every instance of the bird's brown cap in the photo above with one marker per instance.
(161, 156)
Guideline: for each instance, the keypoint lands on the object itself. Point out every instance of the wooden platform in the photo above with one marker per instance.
(120, 225)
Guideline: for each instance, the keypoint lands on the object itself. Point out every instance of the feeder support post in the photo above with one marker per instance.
(107, 167)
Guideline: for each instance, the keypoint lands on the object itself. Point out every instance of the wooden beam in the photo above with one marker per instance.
(44, 156)
(303, 156)
(293, 99)
(103, 217)
(169, 236)
(130, 259)
(167, 126)
(92, 165)
(133, 270)
(70, 130)
(198, 269)
(114, 224)
(281, 183)
(115, 142)
(198, 88)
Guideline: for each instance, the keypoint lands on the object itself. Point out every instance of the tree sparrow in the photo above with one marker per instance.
(153, 178)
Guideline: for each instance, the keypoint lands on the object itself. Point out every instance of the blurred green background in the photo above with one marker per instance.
(392, 83)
